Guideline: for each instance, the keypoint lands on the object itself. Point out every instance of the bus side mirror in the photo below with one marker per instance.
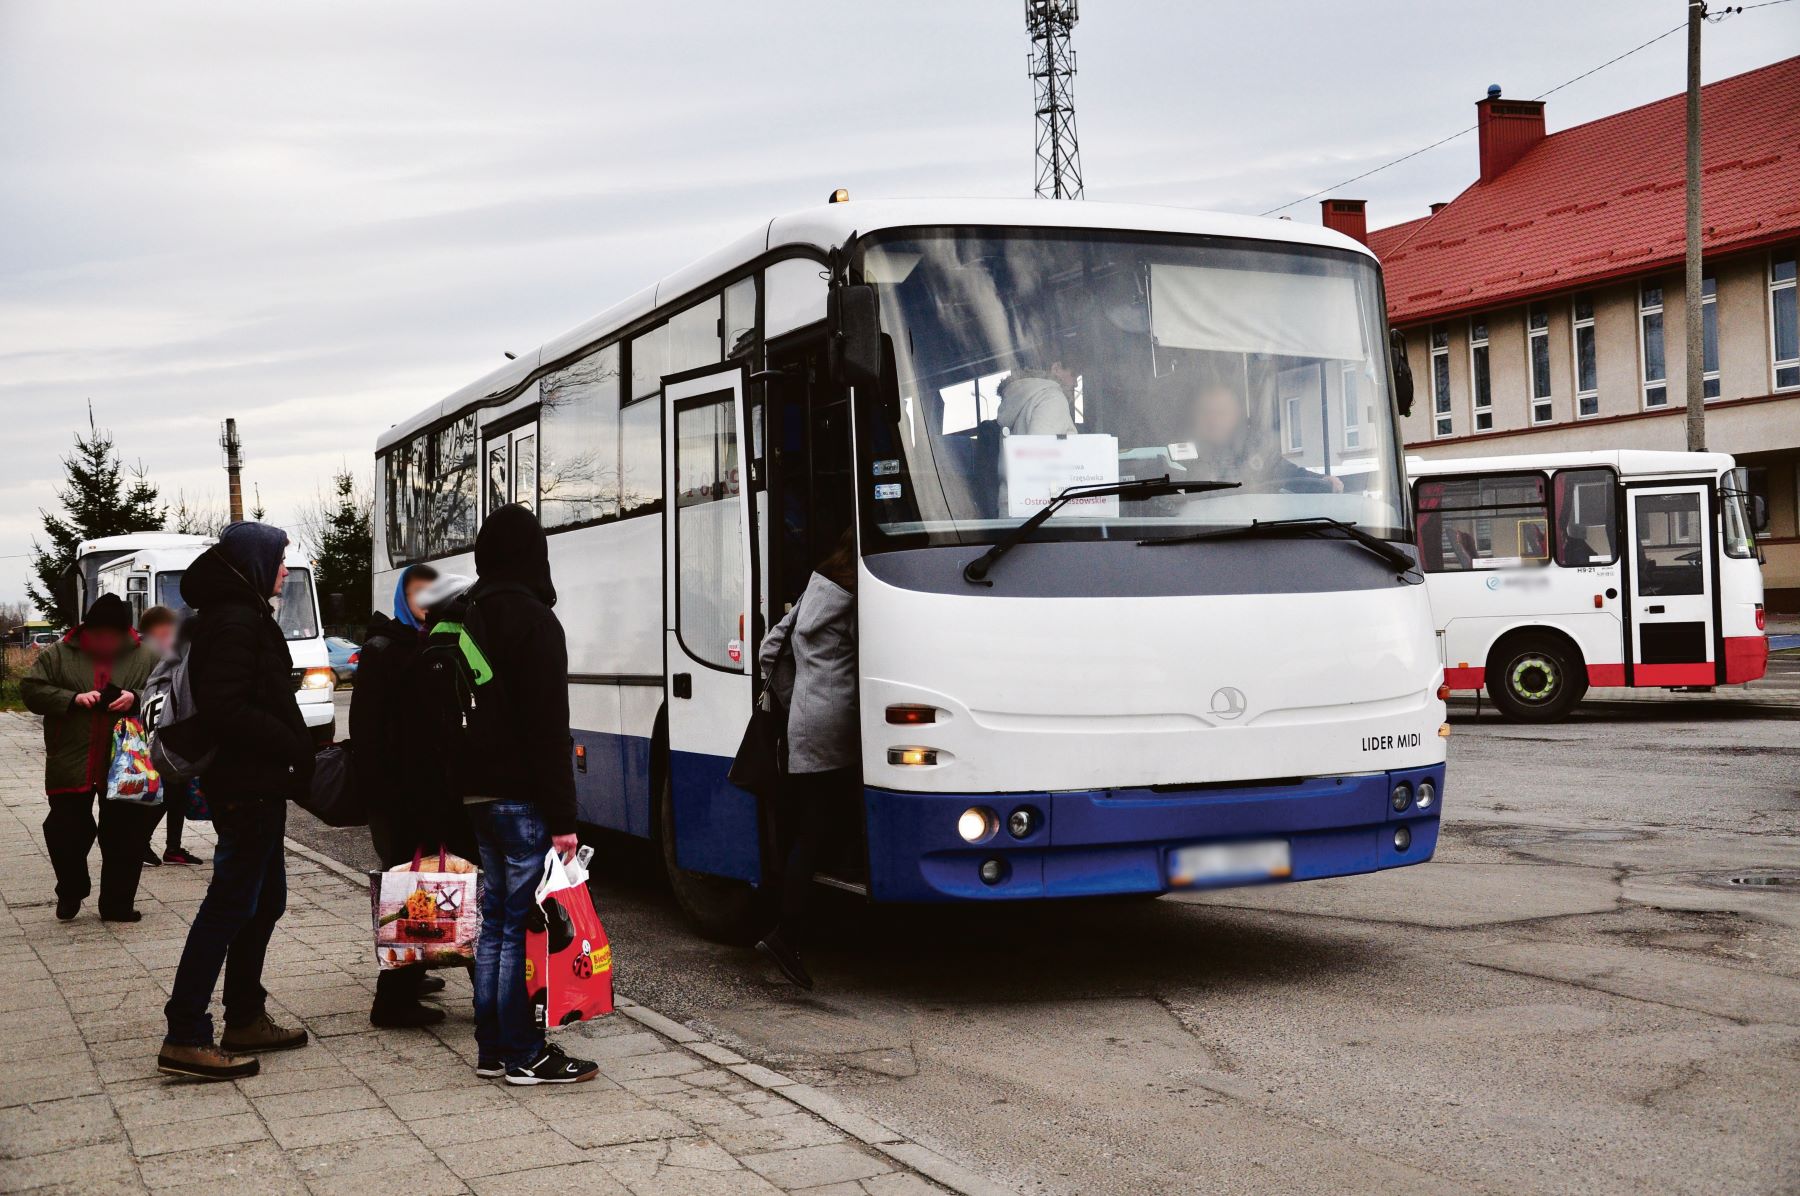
(853, 320)
(1759, 513)
(1403, 380)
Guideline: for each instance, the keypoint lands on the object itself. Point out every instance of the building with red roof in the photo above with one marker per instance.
(1543, 306)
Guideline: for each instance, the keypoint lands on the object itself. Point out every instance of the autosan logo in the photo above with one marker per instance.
(1229, 702)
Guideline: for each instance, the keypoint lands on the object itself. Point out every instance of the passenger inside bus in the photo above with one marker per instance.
(1039, 401)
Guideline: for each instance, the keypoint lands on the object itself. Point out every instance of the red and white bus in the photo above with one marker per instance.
(1552, 572)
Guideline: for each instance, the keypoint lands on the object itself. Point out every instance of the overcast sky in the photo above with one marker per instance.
(320, 217)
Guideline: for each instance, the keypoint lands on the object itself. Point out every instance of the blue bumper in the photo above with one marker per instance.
(1097, 842)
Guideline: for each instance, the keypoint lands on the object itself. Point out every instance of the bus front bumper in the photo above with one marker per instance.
(1103, 842)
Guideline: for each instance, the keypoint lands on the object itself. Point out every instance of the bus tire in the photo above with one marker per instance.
(720, 908)
(1536, 677)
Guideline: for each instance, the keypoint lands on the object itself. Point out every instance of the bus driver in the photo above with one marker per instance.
(1225, 448)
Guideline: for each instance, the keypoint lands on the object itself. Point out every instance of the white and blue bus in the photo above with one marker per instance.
(1138, 603)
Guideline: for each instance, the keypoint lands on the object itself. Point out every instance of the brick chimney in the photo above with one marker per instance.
(1508, 129)
(1346, 216)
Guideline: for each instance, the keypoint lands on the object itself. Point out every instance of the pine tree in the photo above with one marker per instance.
(342, 542)
(100, 498)
(258, 511)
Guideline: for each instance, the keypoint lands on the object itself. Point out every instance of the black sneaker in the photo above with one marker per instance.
(151, 859)
(413, 1016)
(181, 855)
(67, 908)
(787, 959)
(553, 1067)
(431, 984)
(490, 1071)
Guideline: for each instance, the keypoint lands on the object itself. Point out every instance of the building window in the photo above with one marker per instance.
(1352, 410)
(1709, 324)
(1443, 423)
(1293, 440)
(1537, 345)
(1480, 381)
(1656, 375)
(1587, 370)
(1784, 321)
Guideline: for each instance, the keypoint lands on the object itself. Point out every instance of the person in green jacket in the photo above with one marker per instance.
(82, 686)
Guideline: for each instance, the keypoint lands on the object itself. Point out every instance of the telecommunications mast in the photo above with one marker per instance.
(1052, 66)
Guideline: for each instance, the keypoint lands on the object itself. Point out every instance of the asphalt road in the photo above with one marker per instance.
(1574, 996)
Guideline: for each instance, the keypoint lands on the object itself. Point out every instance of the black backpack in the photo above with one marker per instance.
(455, 681)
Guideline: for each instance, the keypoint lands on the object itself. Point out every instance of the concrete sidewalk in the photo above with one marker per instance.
(360, 1111)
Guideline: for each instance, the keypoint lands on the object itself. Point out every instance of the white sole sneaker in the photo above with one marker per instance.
(526, 1079)
(490, 1073)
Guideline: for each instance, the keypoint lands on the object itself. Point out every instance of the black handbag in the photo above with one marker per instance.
(761, 760)
(333, 797)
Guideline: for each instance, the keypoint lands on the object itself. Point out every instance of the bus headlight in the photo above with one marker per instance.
(975, 824)
(1020, 822)
(1427, 794)
(913, 757)
(1402, 797)
(316, 679)
(1402, 838)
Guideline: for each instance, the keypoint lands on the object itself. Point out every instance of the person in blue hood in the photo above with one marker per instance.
(388, 737)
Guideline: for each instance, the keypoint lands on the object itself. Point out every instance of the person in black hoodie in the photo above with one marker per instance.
(239, 670)
(518, 787)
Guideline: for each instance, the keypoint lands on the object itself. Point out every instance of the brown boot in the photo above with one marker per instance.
(261, 1035)
(204, 1063)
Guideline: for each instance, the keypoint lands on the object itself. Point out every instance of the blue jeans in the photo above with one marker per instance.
(247, 896)
(513, 842)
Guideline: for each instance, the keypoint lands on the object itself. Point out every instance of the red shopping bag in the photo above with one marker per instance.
(568, 962)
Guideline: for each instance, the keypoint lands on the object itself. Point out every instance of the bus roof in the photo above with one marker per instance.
(1628, 462)
(824, 227)
(168, 548)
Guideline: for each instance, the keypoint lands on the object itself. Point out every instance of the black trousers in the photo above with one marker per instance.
(395, 843)
(172, 812)
(69, 833)
(814, 805)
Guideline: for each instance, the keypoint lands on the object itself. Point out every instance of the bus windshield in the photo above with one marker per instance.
(294, 610)
(1029, 361)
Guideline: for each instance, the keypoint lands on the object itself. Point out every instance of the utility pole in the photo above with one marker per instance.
(1696, 327)
(1052, 64)
(234, 469)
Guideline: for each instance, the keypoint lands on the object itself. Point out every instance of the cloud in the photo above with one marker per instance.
(320, 218)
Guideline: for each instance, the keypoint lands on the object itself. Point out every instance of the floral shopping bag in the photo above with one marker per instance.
(425, 918)
(131, 777)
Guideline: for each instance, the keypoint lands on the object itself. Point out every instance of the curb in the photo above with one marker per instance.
(823, 1105)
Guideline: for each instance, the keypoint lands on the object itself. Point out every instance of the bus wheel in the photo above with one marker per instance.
(1535, 679)
(720, 908)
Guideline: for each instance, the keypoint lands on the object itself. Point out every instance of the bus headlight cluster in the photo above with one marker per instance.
(1427, 794)
(317, 679)
(976, 824)
(1402, 798)
(1021, 822)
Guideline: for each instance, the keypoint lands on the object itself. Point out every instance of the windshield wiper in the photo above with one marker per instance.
(976, 571)
(1306, 525)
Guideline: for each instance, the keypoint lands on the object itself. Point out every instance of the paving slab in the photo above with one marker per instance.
(359, 1110)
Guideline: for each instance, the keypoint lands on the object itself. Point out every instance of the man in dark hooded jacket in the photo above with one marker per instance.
(239, 669)
(519, 787)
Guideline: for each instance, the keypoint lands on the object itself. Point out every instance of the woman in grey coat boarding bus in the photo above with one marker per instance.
(824, 757)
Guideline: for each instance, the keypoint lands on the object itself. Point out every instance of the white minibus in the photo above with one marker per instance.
(145, 568)
(1128, 618)
(1553, 572)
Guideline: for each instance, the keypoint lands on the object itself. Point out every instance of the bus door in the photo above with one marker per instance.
(1669, 533)
(510, 468)
(709, 618)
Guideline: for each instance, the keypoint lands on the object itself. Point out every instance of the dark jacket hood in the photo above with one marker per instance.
(256, 549)
(512, 548)
(214, 580)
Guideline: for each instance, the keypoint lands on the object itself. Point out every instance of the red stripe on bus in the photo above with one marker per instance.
(1702, 673)
(1606, 674)
(1746, 658)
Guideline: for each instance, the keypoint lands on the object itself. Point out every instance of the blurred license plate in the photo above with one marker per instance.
(1213, 862)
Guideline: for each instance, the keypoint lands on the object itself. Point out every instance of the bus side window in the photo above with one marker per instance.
(1585, 518)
